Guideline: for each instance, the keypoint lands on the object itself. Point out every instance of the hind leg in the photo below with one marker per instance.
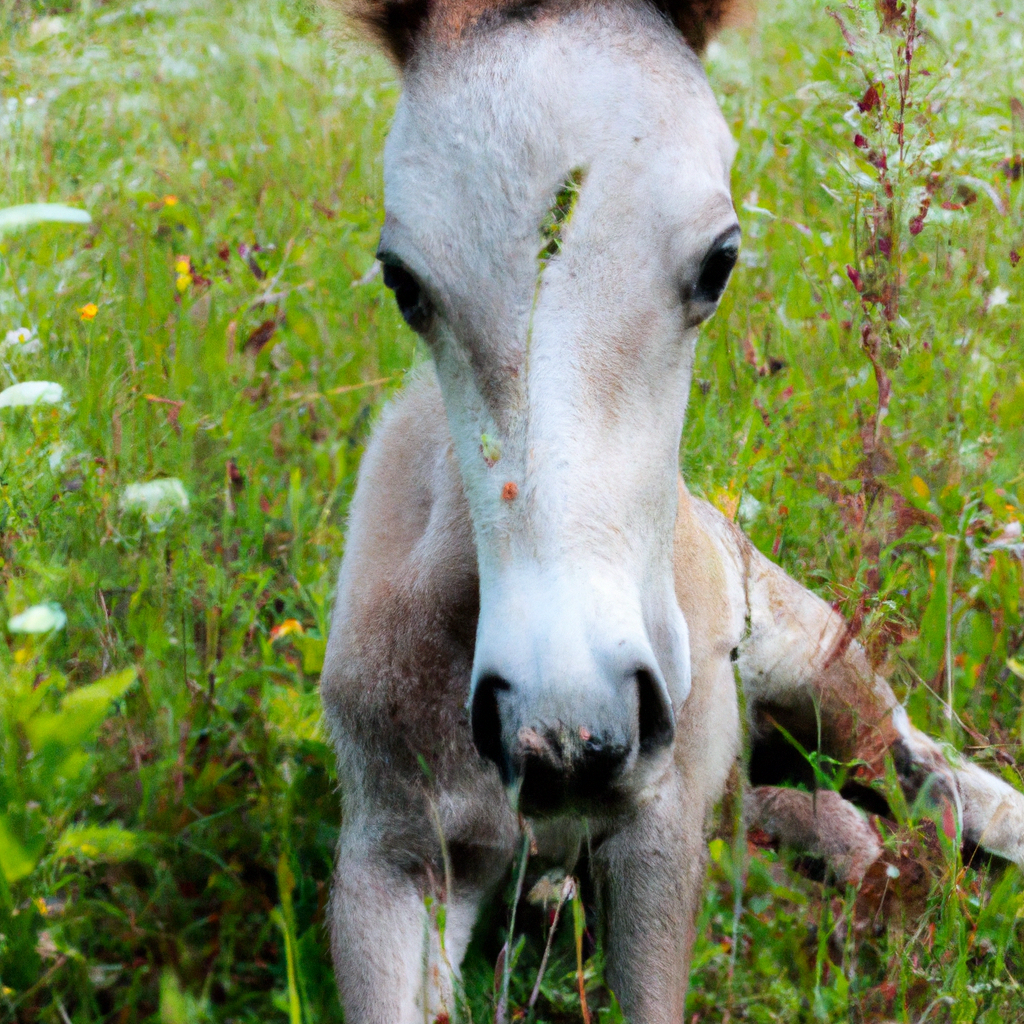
(801, 666)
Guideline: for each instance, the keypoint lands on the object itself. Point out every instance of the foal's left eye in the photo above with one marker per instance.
(714, 273)
(716, 268)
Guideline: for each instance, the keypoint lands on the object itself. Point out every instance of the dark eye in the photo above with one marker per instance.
(412, 303)
(716, 268)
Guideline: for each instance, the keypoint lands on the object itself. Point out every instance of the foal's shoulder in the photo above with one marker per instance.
(403, 470)
(408, 521)
(709, 557)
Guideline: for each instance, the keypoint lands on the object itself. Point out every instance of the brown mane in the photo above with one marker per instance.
(396, 25)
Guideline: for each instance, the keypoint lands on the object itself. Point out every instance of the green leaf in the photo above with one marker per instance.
(931, 644)
(109, 843)
(81, 713)
(16, 862)
(313, 649)
(14, 217)
(173, 1003)
(284, 918)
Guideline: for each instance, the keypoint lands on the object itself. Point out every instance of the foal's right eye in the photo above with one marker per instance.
(413, 304)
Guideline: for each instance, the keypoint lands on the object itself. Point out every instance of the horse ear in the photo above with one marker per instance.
(393, 24)
(699, 20)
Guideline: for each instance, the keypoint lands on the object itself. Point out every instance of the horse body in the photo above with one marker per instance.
(395, 686)
(533, 614)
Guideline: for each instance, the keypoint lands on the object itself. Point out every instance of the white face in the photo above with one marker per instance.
(564, 342)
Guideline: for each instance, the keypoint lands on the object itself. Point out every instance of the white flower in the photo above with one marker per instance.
(40, 618)
(21, 340)
(157, 500)
(58, 456)
(1008, 537)
(43, 28)
(28, 392)
(998, 297)
(749, 508)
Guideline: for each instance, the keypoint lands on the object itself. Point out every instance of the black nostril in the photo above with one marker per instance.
(485, 721)
(599, 768)
(603, 759)
(657, 725)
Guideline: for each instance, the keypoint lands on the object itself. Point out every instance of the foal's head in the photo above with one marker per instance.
(558, 225)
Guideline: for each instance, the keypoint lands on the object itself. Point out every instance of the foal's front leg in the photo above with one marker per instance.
(650, 875)
(392, 962)
(385, 946)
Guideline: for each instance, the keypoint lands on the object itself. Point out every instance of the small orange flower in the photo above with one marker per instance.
(170, 200)
(89, 311)
(286, 628)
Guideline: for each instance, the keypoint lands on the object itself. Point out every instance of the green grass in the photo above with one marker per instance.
(167, 803)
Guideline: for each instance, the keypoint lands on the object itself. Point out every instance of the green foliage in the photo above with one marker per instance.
(555, 222)
(167, 804)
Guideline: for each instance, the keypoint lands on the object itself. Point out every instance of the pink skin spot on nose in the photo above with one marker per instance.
(510, 491)
(584, 733)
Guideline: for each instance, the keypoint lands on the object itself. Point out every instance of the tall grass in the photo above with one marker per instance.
(167, 804)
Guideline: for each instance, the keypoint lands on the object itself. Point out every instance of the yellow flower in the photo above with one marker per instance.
(183, 267)
(41, 906)
(170, 200)
(88, 311)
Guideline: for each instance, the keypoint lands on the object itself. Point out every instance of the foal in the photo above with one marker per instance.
(535, 622)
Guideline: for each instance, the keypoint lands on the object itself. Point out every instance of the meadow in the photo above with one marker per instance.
(217, 346)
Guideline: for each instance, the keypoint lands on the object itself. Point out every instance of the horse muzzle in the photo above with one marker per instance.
(571, 726)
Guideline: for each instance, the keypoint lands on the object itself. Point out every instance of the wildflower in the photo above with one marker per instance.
(21, 339)
(58, 456)
(1009, 536)
(29, 392)
(183, 268)
(88, 311)
(749, 508)
(170, 200)
(998, 297)
(39, 618)
(157, 500)
(286, 628)
(44, 28)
